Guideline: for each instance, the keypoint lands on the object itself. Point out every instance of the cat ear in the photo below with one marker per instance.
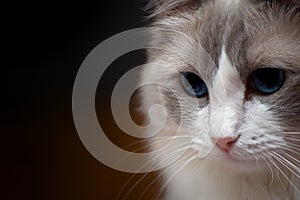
(158, 8)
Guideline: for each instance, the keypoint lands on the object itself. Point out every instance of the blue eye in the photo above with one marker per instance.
(268, 80)
(193, 84)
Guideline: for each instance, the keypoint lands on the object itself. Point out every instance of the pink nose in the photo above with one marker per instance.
(226, 143)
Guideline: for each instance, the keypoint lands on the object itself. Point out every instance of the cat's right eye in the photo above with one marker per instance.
(193, 84)
(268, 80)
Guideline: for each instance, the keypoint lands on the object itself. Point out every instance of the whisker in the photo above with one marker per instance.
(286, 177)
(155, 180)
(179, 160)
(290, 156)
(271, 169)
(289, 148)
(155, 142)
(162, 139)
(172, 152)
(278, 171)
(294, 145)
(258, 165)
(292, 139)
(291, 132)
(175, 173)
(286, 163)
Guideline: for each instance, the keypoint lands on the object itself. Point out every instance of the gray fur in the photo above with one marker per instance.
(254, 34)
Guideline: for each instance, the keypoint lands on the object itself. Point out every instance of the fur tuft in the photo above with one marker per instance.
(156, 8)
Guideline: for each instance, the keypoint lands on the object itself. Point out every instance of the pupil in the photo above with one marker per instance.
(268, 80)
(194, 85)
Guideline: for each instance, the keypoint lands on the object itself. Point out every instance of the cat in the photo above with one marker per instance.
(228, 74)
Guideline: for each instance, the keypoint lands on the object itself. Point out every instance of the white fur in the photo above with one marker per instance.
(206, 181)
(216, 176)
(245, 172)
(229, 4)
(226, 100)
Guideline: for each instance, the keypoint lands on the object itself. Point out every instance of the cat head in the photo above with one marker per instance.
(229, 74)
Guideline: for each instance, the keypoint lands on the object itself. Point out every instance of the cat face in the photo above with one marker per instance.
(233, 75)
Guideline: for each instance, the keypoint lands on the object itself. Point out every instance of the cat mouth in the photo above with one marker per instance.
(234, 157)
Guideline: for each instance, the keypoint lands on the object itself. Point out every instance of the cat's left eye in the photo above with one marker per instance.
(268, 80)
(193, 84)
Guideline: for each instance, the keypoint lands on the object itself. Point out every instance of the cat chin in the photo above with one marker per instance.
(228, 161)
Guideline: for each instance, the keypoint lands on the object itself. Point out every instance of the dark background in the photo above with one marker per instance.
(44, 44)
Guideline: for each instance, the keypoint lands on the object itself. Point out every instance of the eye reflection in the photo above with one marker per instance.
(193, 84)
